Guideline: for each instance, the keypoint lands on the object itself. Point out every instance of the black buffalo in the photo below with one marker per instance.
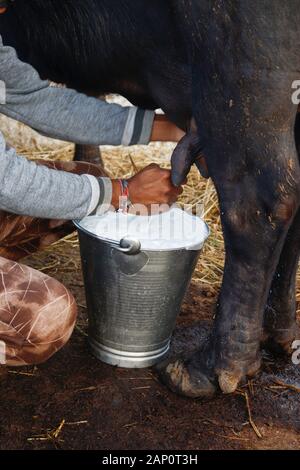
(223, 70)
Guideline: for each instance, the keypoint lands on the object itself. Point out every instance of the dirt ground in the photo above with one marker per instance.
(76, 402)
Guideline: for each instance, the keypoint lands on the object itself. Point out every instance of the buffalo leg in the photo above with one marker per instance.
(89, 154)
(252, 159)
(280, 315)
(257, 208)
(244, 112)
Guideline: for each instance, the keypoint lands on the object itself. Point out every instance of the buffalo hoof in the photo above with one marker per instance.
(196, 377)
(188, 378)
(229, 380)
(280, 342)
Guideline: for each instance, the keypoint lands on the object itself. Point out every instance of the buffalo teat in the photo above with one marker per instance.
(188, 152)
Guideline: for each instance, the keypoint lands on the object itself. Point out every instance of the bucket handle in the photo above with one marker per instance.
(129, 246)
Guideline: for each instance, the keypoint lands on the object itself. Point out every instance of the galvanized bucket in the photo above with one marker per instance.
(133, 297)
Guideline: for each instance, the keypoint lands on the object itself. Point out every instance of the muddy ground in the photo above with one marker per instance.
(75, 402)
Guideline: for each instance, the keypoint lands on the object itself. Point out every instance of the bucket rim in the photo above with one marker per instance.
(116, 243)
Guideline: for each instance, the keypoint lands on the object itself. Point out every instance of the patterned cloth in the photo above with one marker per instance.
(37, 313)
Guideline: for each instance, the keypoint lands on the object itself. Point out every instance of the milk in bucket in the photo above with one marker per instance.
(136, 271)
(170, 230)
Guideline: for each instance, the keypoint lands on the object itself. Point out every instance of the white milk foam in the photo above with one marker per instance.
(171, 230)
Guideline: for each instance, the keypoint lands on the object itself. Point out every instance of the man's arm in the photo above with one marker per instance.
(34, 190)
(65, 114)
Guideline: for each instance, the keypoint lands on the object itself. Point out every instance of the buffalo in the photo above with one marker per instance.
(223, 71)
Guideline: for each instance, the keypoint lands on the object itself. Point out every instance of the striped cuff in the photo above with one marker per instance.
(138, 127)
(102, 192)
(95, 193)
(106, 194)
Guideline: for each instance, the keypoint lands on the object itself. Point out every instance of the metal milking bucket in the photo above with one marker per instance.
(133, 297)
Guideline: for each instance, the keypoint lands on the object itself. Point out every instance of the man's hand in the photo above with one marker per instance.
(150, 186)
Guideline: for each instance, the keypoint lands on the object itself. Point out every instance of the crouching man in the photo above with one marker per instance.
(38, 200)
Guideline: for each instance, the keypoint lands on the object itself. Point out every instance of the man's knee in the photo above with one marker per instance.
(37, 319)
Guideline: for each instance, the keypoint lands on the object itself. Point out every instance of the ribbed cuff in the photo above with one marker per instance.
(129, 127)
(95, 193)
(102, 192)
(147, 127)
(106, 194)
(138, 127)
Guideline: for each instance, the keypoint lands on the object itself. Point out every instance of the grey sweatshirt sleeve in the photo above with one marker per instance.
(30, 189)
(65, 114)
(34, 190)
